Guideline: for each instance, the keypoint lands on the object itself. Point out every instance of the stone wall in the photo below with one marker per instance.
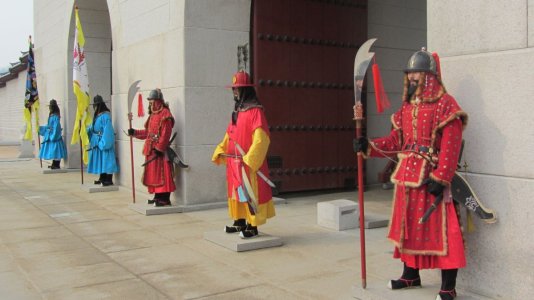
(12, 103)
(487, 58)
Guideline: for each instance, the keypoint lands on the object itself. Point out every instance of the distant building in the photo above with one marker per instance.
(12, 89)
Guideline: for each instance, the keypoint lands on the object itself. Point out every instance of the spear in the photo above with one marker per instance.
(361, 63)
(134, 88)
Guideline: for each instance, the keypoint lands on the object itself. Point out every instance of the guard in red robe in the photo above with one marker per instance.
(249, 196)
(158, 175)
(426, 138)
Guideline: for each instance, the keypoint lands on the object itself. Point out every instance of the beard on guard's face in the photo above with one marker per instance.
(412, 87)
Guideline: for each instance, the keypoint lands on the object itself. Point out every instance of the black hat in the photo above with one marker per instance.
(421, 61)
(155, 95)
(97, 100)
(53, 102)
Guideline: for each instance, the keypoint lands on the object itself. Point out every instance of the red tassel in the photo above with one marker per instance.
(140, 109)
(382, 101)
(438, 64)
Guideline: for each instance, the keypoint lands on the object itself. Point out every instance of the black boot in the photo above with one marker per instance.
(153, 200)
(100, 179)
(248, 232)
(163, 200)
(448, 284)
(107, 180)
(239, 225)
(409, 279)
(55, 164)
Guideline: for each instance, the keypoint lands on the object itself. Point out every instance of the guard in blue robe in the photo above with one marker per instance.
(52, 145)
(102, 158)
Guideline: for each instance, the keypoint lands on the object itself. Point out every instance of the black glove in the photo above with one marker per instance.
(158, 153)
(131, 132)
(435, 188)
(360, 144)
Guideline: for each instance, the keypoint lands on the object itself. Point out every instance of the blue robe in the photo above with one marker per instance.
(52, 146)
(102, 144)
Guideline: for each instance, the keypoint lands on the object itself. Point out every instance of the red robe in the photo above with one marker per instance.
(251, 132)
(158, 175)
(248, 121)
(431, 126)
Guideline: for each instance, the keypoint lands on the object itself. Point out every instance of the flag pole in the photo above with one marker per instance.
(81, 151)
(30, 52)
(130, 117)
(39, 141)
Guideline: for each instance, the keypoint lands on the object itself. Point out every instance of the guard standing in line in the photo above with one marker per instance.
(102, 158)
(426, 137)
(243, 150)
(52, 146)
(158, 175)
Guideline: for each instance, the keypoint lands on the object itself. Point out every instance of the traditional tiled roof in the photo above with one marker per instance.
(14, 70)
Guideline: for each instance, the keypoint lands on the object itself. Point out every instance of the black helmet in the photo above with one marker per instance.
(97, 100)
(421, 61)
(155, 95)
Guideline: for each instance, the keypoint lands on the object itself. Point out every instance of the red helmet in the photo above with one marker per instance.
(240, 79)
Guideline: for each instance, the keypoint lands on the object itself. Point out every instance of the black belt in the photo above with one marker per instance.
(418, 148)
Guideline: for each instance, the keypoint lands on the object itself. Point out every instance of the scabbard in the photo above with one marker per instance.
(431, 209)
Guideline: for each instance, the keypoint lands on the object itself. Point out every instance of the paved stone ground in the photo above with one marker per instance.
(59, 242)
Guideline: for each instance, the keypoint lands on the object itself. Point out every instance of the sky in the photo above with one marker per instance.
(16, 24)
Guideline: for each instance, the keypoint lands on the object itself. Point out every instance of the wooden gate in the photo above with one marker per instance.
(303, 55)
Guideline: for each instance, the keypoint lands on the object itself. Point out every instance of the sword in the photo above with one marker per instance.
(149, 161)
(361, 63)
(260, 173)
(432, 207)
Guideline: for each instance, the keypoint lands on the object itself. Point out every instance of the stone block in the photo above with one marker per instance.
(26, 149)
(206, 105)
(468, 27)
(149, 210)
(93, 188)
(375, 290)
(237, 244)
(397, 16)
(472, 80)
(143, 23)
(509, 237)
(375, 221)
(397, 37)
(173, 73)
(54, 171)
(339, 214)
(231, 15)
(210, 55)
(203, 182)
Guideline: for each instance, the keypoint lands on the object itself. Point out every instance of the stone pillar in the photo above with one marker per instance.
(487, 58)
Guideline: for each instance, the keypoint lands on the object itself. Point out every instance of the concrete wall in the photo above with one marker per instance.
(11, 121)
(487, 58)
(213, 29)
(400, 27)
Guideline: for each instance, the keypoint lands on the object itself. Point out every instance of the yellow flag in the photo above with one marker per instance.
(31, 98)
(81, 90)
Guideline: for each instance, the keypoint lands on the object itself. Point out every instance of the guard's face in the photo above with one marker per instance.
(414, 77)
(235, 91)
(151, 102)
